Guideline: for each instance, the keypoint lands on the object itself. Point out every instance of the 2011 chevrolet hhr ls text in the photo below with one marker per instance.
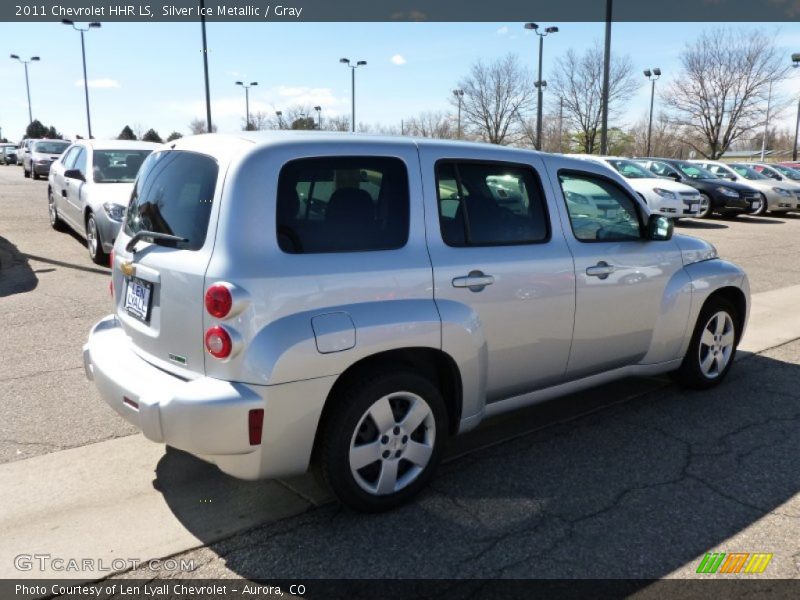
(357, 300)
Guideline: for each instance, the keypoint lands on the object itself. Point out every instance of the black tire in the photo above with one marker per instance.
(25, 173)
(349, 422)
(96, 252)
(35, 175)
(691, 372)
(704, 213)
(55, 221)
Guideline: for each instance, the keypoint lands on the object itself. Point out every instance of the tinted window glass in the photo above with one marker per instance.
(117, 166)
(598, 209)
(342, 204)
(50, 147)
(173, 195)
(68, 158)
(489, 204)
(80, 161)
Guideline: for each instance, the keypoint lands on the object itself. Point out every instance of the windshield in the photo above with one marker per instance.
(695, 171)
(173, 195)
(748, 173)
(117, 166)
(630, 169)
(50, 147)
(792, 174)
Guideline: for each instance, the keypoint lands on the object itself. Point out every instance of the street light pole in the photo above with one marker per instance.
(766, 124)
(85, 79)
(795, 64)
(538, 83)
(652, 76)
(205, 65)
(27, 83)
(459, 94)
(319, 117)
(360, 63)
(246, 101)
(606, 76)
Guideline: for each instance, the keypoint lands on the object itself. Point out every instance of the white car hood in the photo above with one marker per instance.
(646, 185)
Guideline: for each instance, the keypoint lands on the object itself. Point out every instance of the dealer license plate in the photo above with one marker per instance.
(137, 298)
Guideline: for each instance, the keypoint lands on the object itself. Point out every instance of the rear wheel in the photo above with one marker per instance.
(93, 242)
(35, 175)
(383, 440)
(712, 347)
(55, 221)
(25, 173)
(705, 207)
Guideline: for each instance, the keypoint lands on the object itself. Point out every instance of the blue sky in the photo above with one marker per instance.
(151, 74)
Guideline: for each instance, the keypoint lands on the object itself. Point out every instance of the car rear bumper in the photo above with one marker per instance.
(207, 417)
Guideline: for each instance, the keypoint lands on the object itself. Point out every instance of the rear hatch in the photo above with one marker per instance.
(159, 284)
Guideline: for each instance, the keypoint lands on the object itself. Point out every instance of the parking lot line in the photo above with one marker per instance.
(127, 498)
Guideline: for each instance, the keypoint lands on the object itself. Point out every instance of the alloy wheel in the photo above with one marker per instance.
(393, 443)
(716, 344)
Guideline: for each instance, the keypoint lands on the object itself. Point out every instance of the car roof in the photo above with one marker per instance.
(118, 144)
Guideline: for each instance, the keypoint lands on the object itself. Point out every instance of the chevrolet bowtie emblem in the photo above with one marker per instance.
(128, 269)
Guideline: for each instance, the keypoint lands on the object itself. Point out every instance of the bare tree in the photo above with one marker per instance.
(579, 80)
(198, 126)
(336, 123)
(431, 124)
(721, 93)
(261, 120)
(496, 96)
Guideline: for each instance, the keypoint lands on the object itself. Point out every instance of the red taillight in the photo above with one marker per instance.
(218, 301)
(255, 425)
(218, 342)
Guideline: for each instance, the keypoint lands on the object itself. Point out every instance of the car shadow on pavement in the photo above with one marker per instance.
(760, 220)
(695, 224)
(16, 274)
(640, 487)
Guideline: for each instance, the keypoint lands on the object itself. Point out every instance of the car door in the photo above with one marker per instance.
(621, 277)
(57, 183)
(74, 190)
(495, 253)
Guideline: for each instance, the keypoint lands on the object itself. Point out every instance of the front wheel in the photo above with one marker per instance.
(382, 441)
(712, 347)
(93, 242)
(705, 207)
(25, 173)
(762, 208)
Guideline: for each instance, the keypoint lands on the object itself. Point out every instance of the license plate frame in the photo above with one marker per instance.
(138, 309)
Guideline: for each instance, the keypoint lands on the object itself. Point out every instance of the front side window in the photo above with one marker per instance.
(695, 172)
(599, 210)
(342, 204)
(68, 158)
(173, 195)
(490, 204)
(748, 173)
(80, 162)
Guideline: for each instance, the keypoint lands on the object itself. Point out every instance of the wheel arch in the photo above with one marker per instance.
(436, 365)
(737, 298)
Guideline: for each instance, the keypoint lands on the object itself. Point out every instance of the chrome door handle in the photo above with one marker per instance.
(601, 270)
(475, 281)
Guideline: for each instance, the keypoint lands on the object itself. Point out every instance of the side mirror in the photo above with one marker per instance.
(74, 174)
(674, 176)
(659, 229)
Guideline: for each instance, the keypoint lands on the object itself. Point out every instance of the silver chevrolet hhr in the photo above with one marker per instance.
(355, 300)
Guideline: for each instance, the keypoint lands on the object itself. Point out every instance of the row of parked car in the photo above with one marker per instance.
(700, 188)
(89, 184)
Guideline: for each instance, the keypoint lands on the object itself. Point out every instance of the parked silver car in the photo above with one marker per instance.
(359, 299)
(40, 154)
(89, 188)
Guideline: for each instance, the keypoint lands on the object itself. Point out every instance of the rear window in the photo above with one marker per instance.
(50, 147)
(117, 166)
(173, 195)
(342, 204)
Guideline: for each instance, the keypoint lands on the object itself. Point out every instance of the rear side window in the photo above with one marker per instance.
(173, 194)
(490, 204)
(342, 204)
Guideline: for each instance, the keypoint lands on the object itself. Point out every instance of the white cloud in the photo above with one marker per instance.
(103, 83)
(398, 59)
(502, 31)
